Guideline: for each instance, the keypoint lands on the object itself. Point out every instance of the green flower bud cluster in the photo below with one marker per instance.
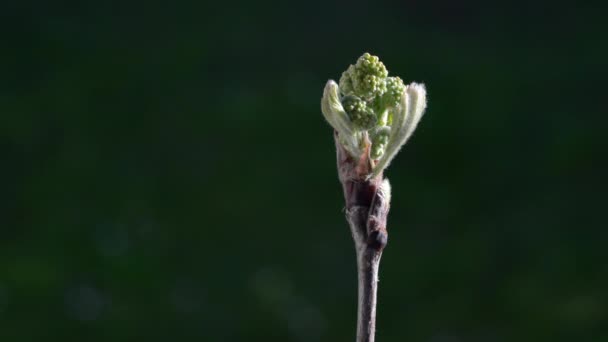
(362, 116)
(372, 112)
(394, 90)
(365, 79)
(379, 142)
(368, 93)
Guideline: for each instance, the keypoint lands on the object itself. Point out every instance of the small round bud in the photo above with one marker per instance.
(377, 239)
(360, 114)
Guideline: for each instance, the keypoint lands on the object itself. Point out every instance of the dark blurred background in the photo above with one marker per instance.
(167, 174)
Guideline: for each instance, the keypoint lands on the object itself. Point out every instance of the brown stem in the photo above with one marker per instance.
(367, 205)
(368, 264)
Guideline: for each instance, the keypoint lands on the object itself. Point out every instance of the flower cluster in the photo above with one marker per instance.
(373, 112)
(365, 79)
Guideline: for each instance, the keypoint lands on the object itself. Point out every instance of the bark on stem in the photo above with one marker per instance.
(368, 264)
(367, 205)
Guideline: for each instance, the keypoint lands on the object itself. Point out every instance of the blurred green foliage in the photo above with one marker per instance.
(167, 174)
